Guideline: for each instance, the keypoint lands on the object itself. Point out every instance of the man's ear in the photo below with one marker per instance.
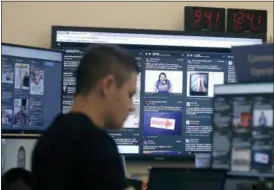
(107, 85)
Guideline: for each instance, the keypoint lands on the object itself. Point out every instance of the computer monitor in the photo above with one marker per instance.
(31, 86)
(247, 183)
(185, 179)
(16, 152)
(243, 129)
(174, 89)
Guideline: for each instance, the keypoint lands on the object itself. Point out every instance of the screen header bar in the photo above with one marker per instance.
(153, 39)
(230, 89)
(32, 53)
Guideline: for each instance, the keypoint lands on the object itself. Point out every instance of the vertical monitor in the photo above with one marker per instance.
(173, 106)
(243, 129)
(31, 86)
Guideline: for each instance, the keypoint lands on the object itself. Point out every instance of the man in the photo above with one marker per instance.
(76, 152)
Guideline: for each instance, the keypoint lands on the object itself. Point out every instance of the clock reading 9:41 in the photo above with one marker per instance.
(204, 19)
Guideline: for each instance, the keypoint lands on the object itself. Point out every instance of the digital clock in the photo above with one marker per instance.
(247, 21)
(204, 19)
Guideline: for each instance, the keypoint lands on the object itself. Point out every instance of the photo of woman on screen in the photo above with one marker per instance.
(163, 85)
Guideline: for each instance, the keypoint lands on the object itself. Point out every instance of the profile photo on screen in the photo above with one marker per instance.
(20, 111)
(21, 157)
(21, 76)
(163, 82)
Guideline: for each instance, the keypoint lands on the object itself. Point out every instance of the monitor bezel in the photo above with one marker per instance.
(31, 133)
(235, 175)
(55, 28)
(139, 156)
(21, 136)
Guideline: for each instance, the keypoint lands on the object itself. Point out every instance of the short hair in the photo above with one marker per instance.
(17, 178)
(100, 61)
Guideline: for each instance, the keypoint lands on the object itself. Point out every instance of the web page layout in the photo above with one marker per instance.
(173, 100)
(28, 86)
(243, 134)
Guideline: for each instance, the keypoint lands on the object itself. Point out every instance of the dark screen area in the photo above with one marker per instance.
(187, 179)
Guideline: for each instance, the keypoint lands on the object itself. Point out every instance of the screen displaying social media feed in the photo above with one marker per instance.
(173, 102)
(243, 134)
(31, 88)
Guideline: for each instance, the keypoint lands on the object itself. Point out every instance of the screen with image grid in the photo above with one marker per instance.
(31, 86)
(243, 129)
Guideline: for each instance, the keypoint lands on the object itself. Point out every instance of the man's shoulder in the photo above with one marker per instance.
(73, 122)
(76, 125)
(71, 119)
(75, 130)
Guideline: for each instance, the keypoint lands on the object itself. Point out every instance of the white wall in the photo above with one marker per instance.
(29, 23)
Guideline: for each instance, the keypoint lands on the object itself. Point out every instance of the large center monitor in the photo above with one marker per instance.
(31, 86)
(243, 129)
(175, 86)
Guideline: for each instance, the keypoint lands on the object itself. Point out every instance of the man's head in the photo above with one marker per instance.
(107, 74)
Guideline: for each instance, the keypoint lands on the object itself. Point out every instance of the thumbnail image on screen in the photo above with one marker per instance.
(31, 88)
(202, 83)
(263, 118)
(173, 103)
(249, 129)
(163, 82)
